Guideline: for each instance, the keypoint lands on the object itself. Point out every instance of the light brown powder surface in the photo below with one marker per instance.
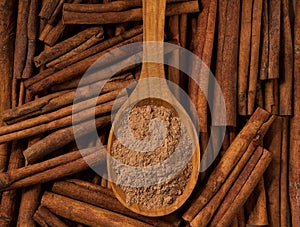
(156, 132)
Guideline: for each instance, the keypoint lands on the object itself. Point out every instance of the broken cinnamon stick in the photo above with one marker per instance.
(251, 135)
(71, 17)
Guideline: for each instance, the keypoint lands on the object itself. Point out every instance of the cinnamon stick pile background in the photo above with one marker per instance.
(251, 46)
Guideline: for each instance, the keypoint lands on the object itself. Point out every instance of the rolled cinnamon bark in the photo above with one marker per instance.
(254, 59)
(244, 55)
(273, 141)
(32, 36)
(204, 216)
(294, 153)
(102, 197)
(245, 143)
(256, 206)
(85, 213)
(240, 192)
(274, 38)
(71, 17)
(66, 45)
(21, 38)
(46, 218)
(286, 81)
(51, 169)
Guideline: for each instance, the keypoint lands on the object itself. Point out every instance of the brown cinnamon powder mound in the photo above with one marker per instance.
(152, 156)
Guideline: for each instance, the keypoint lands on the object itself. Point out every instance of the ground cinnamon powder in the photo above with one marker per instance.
(148, 136)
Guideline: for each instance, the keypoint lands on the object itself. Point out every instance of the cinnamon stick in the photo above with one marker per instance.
(286, 81)
(203, 49)
(226, 66)
(91, 51)
(51, 169)
(7, 28)
(71, 17)
(59, 123)
(256, 206)
(66, 45)
(78, 68)
(206, 59)
(173, 34)
(53, 33)
(264, 65)
(114, 6)
(250, 136)
(274, 38)
(207, 212)
(56, 12)
(29, 200)
(254, 59)
(244, 55)
(48, 9)
(28, 205)
(82, 47)
(32, 35)
(46, 218)
(21, 38)
(59, 139)
(271, 96)
(60, 113)
(272, 176)
(85, 213)
(240, 192)
(10, 199)
(104, 198)
(284, 194)
(120, 82)
(294, 152)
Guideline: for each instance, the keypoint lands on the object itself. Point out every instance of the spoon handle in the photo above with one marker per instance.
(153, 24)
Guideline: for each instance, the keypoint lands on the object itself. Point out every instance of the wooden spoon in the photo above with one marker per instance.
(153, 89)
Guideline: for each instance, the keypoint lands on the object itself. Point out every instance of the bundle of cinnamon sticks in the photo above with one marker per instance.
(252, 47)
